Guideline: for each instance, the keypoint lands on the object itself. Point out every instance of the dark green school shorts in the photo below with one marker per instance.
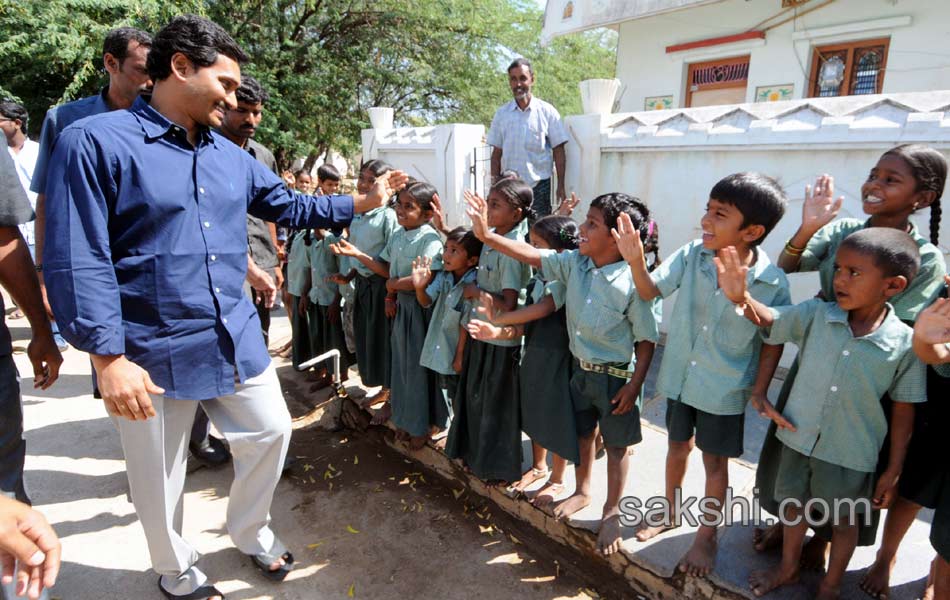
(720, 435)
(591, 394)
(806, 477)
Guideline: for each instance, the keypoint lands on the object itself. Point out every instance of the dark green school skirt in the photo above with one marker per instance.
(547, 413)
(414, 392)
(300, 332)
(770, 456)
(372, 330)
(326, 335)
(486, 428)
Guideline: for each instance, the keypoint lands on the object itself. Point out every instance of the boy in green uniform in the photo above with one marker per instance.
(613, 336)
(714, 359)
(854, 350)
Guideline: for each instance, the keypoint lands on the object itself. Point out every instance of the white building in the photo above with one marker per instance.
(689, 53)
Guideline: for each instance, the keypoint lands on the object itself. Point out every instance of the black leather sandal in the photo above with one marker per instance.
(202, 593)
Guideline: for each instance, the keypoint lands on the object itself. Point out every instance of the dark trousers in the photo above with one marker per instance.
(12, 445)
(542, 198)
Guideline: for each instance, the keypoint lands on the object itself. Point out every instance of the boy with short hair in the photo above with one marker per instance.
(328, 179)
(714, 359)
(614, 336)
(854, 350)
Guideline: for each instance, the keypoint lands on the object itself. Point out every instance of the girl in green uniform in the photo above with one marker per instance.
(414, 389)
(486, 429)
(905, 179)
(547, 415)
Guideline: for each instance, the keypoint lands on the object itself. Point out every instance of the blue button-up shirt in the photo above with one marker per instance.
(146, 247)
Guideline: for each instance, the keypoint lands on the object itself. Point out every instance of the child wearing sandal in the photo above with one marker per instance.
(547, 415)
(852, 351)
(714, 360)
(444, 344)
(613, 337)
(486, 427)
(414, 391)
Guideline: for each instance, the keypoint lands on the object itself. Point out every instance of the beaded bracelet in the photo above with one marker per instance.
(792, 250)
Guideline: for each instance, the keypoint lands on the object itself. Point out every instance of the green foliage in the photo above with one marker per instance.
(323, 61)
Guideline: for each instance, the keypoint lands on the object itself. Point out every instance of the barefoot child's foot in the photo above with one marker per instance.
(548, 493)
(815, 554)
(648, 532)
(763, 582)
(527, 480)
(382, 415)
(876, 582)
(768, 538)
(571, 505)
(375, 400)
(700, 559)
(610, 538)
(826, 592)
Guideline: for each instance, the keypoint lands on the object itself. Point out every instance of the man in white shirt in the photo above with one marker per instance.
(527, 136)
(23, 151)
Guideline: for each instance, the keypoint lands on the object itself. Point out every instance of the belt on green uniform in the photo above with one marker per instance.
(605, 369)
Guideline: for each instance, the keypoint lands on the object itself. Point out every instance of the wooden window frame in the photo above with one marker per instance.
(693, 67)
(849, 65)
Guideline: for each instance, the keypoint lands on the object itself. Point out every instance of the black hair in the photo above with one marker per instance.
(520, 62)
(930, 172)
(517, 193)
(651, 245)
(327, 172)
(758, 197)
(559, 233)
(376, 167)
(251, 91)
(467, 240)
(199, 39)
(421, 193)
(12, 110)
(893, 251)
(611, 205)
(300, 172)
(117, 42)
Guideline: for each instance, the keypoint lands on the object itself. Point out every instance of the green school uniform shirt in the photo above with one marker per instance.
(605, 314)
(712, 354)
(541, 288)
(835, 401)
(497, 272)
(370, 232)
(819, 255)
(298, 266)
(405, 245)
(442, 338)
(323, 263)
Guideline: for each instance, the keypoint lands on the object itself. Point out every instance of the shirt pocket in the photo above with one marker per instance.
(608, 324)
(734, 332)
(536, 137)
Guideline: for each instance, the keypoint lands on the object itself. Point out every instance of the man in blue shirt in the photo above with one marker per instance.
(124, 52)
(145, 259)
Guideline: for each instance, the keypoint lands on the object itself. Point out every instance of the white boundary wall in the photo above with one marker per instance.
(671, 159)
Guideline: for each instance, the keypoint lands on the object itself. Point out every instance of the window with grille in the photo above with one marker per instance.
(717, 82)
(849, 69)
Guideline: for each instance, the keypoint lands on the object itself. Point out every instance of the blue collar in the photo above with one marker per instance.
(155, 125)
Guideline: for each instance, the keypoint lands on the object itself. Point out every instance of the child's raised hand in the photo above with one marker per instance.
(477, 211)
(732, 275)
(820, 206)
(344, 248)
(765, 409)
(567, 205)
(421, 272)
(438, 215)
(482, 330)
(933, 323)
(628, 239)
